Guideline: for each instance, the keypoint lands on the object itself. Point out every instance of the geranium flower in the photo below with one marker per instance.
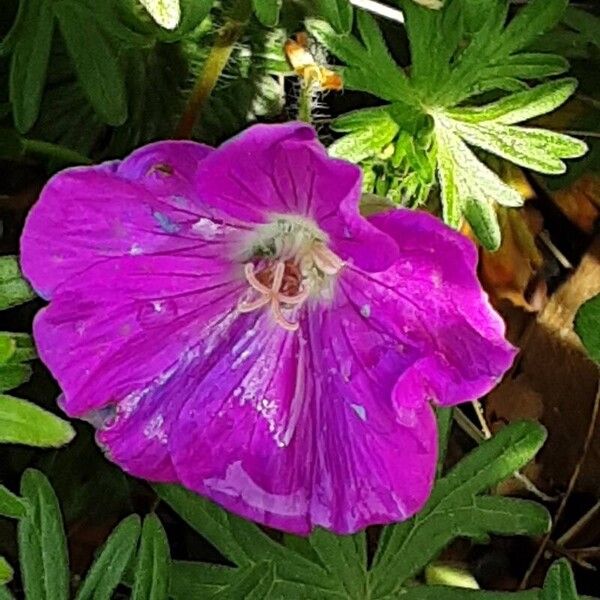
(229, 321)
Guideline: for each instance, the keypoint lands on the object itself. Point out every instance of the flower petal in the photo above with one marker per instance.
(432, 301)
(88, 214)
(102, 345)
(298, 434)
(282, 169)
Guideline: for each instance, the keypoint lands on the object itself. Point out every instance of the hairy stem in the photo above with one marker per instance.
(213, 67)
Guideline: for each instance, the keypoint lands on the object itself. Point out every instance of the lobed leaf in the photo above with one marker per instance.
(521, 106)
(152, 567)
(107, 571)
(454, 510)
(29, 62)
(559, 583)
(267, 11)
(95, 61)
(42, 541)
(338, 13)
(241, 541)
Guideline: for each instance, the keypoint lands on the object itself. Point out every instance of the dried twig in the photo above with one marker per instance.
(570, 488)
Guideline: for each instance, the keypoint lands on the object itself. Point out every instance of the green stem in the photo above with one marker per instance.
(50, 150)
(216, 61)
(305, 102)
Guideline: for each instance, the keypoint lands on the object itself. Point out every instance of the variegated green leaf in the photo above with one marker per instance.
(521, 106)
(167, 13)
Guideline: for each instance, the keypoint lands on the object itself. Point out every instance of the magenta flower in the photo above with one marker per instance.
(229, 321)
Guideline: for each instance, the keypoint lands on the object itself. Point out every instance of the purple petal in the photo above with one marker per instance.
(300, 431)
(282, 169)
(432, 302)
(114, 328)
(86, 215)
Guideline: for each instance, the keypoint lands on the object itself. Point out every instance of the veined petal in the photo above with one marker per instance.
(272, 170)
(101, 345)
(432, 299)
(143, 205)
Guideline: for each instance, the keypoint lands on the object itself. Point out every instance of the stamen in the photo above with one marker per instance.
(272, 296)
(253, 281)
(327, 261)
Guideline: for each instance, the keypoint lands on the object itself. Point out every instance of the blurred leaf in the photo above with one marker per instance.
(95, 61)
(12, 376)
(455, 509)
(153, 562)
(559, 584)
(107, 571)
(587, 327)
(585, 23)
(167, 13)
(7, 347)
(22, 422)
(450, 575)
(338, 13)
(42, 542)
(436, 592)
(6, 574)
(14, 289)
(11, 505)
(267, 11)
(29, 63)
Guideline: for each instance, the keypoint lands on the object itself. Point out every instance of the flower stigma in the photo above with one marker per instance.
(287, 262)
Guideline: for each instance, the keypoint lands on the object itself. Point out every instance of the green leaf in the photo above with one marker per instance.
(107, 571)
(95, 61)
(23, 347)
(22, 422)
(253, 583)
(14, 289)
(585, 23)
(521, 106)
(338, 13)
(11, 505)
(12, 376)
(534, 19)
(526, 66)
(437, 592)
(167, 13)
(267, 11)
(371, 67)
(370, 130)
(198, 580)
(536, 149)
(29, 63)
(587, 326)
(443, 417)
(455, 510)
(345, 557)
(42, 542)
(481, 216)
(7, 347)
(152, 568)
(6, 573)
(242, 542)
(559, 583)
